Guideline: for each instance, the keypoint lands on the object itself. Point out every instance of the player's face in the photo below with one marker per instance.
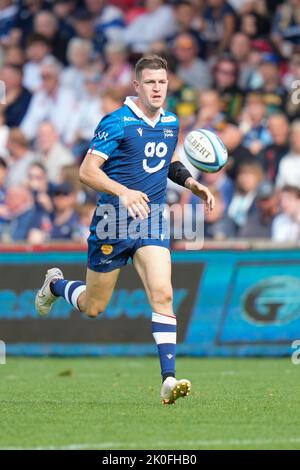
(152, 89)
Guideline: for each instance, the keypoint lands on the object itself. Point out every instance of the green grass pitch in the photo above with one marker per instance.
(113, 403)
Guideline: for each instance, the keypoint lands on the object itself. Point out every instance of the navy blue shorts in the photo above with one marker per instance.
(105, 255)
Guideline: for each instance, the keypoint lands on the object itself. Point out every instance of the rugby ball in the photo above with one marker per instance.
(205, 150)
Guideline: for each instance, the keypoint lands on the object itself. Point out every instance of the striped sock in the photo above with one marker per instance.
(164, 333)
(69, 290)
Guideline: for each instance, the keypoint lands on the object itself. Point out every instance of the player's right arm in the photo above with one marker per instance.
(106, 140)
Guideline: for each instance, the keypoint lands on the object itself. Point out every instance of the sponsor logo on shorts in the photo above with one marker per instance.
(106, 249)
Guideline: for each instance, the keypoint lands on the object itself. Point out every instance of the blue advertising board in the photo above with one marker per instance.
(228, 302)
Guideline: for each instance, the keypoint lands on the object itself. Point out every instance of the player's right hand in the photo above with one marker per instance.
(136, 203)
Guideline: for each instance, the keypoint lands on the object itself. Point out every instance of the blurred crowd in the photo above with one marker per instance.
(234, 68)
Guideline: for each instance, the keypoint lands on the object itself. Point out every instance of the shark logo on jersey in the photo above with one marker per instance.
(140, 131)
(168, 133)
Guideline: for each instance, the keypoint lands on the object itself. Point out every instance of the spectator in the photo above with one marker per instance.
(221, 183)
(23, 25)
(15, 56)
(220, 19)
(108, 20)
(158, 22)
(65, 218)
(218, 226)
(232, 138)
(271, 156)
(37, 182)
(84, 122)
(226, 77)
(240, 49)
(192, 70)
(38, 49)
(111, 100)
(52, 102)
(26, 221)
(253, 124)
(46, 24)
(286, 226)
(259, 222)
(17, 97)
(53, 153)
(118, 73)
(79, 55)
(8, 13)
(210, 113)
(20, 157)
(85, 214)
(84, 26)
(189, 21)
(249, 176)
(286, 27)
(274, 94)
(4, 131)
(289, 166)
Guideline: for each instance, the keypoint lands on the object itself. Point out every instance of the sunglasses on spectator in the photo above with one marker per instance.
(47, 76)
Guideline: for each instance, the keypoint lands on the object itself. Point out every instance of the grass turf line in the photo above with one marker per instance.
(113, 403)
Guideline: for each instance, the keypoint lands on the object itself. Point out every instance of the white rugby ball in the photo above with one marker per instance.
(205, 150)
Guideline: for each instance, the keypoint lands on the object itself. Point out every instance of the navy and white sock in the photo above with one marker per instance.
(164, 333)
(69, 290)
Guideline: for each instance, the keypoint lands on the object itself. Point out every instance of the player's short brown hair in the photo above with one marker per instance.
(153, 62)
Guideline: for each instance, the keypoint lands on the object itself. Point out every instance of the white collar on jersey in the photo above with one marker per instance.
(130, 102)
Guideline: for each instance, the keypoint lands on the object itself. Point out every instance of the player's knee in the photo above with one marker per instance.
(162, 295)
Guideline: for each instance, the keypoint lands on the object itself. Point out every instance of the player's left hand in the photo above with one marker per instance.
(202, 192)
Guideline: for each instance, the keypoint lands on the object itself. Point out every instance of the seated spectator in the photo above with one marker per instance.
(271, 155)
(8, 14)
(254, 25)
(249, 176)
(191, 69)
(108, 20)
(65, 218)
(111, 101)
(158, 22)
(20, 157)
(210, 114)
(79, 56)
(17, 97)
(15, 56)
(289, 166)
(226, 78)
(218, 226)
(53, 154)
(182, 99)
(47, 24)
(221, 183)
(286, 225)
(23, 25)
(84, 26)
(189, 20)
(259, 223)
(240, 49)
(219, 20)
(53, 103)
(118, 73)
(286, 27)
(83, 123)
(26, 221)
(274, 95)
(37, 182)
(85, 214)
(37, 50)
(253, 124)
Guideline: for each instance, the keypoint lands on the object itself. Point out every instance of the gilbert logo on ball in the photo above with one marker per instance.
(205, 150)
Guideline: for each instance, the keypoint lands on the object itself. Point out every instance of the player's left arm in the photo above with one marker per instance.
(181, 175)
